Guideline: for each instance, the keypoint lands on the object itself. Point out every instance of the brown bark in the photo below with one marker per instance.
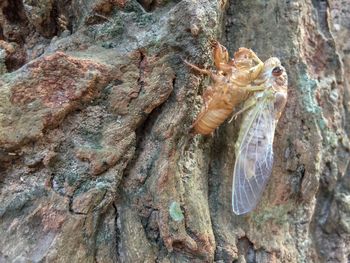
(96, 160)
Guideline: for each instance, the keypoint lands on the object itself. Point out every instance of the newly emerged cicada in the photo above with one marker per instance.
(254, 146)
(230, 86)
(263, 87)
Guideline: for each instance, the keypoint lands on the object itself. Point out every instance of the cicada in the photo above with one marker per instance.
(230, 86)
(254, 146)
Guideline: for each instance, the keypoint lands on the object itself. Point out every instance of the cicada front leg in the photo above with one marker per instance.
(220, 53)
(246, 107)
(251, 102)
(255, 71)
(247, 67)
(221, 59)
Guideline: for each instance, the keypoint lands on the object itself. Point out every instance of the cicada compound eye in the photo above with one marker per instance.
(277, 71)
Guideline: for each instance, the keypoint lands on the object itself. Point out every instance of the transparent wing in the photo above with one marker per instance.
(254, 157)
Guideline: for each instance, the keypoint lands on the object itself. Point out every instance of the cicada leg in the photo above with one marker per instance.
(255, 71)
(203, 71)
(253, 88)
(248, 66)
(247, 106)
(250, 103)
(221, 58)
(216, 78)
(220, 54)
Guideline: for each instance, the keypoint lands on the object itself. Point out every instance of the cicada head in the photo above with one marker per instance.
(274, 74)
(276, 78)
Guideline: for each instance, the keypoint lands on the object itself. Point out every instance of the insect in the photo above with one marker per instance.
(254, 146)
(230, 86)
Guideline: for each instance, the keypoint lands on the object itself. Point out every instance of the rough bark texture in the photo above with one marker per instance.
(96, 160)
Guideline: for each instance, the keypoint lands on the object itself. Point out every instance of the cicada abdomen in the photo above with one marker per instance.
(254, 146)
(218, 106)
(229, 86)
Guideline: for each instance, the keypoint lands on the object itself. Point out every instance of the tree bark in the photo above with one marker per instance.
(97, 162)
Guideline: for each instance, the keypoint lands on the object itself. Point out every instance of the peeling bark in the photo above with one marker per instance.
(97, 163)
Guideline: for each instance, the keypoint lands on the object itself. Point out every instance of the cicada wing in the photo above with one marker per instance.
(254, 158)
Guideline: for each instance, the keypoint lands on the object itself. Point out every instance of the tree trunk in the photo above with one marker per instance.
(97, 162)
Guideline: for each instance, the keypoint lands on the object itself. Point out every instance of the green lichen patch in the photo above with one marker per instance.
(176, 212)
